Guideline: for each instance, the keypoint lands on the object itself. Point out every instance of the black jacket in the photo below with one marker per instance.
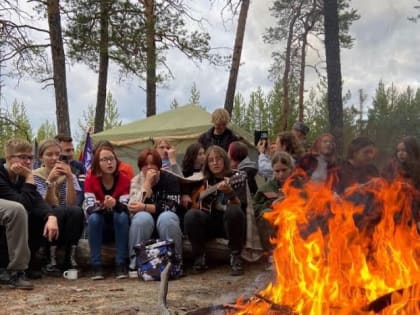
(24, 193)
(208, 138)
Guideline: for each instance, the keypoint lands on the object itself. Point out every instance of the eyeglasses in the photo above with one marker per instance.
(215, 160)
(23, 156)
(107, 159)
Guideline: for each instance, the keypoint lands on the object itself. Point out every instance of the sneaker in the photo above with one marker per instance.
(18, 280)
(52, 271)
(97, 273)
(4, 276)
(200, 265)
(121, 272)
(33, 274)
(236, 264)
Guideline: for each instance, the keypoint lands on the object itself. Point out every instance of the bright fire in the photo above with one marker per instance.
(331, 259)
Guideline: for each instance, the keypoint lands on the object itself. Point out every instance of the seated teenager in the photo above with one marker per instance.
(167, 154)
(352, 174)
(17, 184)
(358, 168)
(320, 163)
(404, 166)
(270, 192)
(286, 141)
(123, 167)
(106, 195)
(154, 204)
(220, 213)
(77, 168)
(191, 164)
(239, 160)
(60, 189)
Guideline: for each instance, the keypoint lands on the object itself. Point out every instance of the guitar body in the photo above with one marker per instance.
(195, 196)
(208, 198)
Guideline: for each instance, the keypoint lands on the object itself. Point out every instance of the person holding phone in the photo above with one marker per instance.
(77, 168)
(264, 159)
(59, 187)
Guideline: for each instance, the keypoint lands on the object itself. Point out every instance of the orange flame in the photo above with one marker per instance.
(336, 255)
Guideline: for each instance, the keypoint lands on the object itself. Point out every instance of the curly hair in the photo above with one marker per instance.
(190, 157)
(288, 142)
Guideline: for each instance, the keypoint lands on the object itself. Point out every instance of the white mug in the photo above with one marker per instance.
(70, 274)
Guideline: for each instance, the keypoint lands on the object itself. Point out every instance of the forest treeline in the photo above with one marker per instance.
(135, 37)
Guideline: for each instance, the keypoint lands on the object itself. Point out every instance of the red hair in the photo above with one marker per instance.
(144, 154)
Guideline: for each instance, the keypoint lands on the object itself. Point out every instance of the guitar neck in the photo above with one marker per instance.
(210, 190)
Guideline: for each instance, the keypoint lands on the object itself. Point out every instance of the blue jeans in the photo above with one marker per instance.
(100, 225)
(142, 226)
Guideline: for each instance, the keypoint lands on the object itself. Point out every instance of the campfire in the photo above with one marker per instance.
(352, 254)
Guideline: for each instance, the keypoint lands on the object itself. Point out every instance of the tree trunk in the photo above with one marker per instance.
(308, 25)
(236, 57)
(103, 68)
(287, 66)
(302, 75)
(332, 53)
(151, 58)
(59, 67)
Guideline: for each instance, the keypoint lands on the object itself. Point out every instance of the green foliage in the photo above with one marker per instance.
(112, 119)
(393, 115)
(195, 95)
(127, 31)
(311, 21)
(47, 130)
(14, 123)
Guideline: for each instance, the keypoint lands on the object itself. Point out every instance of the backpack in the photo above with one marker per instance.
(152, 257)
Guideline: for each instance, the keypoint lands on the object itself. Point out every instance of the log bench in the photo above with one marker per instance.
(216, 250)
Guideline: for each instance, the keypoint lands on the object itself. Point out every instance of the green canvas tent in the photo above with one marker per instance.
(182, 126)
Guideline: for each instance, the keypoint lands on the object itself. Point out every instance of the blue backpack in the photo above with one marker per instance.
(153, 256)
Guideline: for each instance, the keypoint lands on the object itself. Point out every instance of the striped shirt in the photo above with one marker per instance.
(41, 187)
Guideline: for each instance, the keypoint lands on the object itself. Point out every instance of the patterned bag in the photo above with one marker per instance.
(152, 257)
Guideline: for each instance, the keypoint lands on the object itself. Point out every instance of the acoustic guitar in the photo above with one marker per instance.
(207, 198)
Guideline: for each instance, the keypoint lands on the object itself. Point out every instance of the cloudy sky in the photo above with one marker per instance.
(387, 47)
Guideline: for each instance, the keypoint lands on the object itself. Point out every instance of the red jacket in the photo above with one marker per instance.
(93, 185)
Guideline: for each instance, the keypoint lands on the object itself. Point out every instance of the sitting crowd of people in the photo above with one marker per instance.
(46, 208)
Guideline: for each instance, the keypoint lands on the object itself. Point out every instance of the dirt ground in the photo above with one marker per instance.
(133, 296)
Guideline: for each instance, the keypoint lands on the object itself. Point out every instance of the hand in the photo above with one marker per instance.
(20, 169)
(109, 202)
(262, 146)
(152, 177)
(51, 228)
(224, 186)
(135, 206)
(186, 201)
(171, 155)
(56, 171)
(64, 168)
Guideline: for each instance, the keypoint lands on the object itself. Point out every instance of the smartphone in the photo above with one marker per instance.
(260, 135)
(64, 158)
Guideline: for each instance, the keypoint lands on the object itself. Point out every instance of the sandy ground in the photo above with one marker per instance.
(133, 296)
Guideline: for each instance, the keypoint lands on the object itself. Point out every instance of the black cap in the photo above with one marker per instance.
(300, 126)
